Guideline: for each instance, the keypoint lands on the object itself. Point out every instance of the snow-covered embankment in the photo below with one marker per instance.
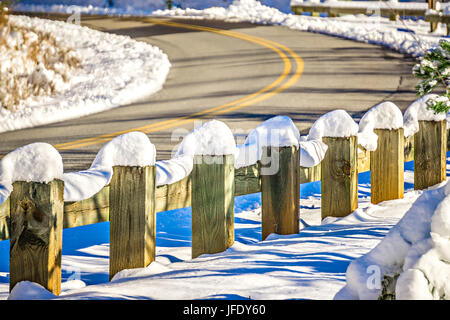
(115, 70)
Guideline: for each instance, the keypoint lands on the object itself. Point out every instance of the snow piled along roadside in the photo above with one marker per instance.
(103, 81)
(373, 29)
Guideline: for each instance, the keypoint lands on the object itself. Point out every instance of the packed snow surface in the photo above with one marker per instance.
(385, 115)
(418, 110)
(103, 80)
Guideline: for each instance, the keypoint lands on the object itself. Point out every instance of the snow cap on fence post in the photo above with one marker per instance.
(279, 131)
(36, 162)
(212, 138)
(385, 115)
(337, 123)
(419, 111)
(129, 149)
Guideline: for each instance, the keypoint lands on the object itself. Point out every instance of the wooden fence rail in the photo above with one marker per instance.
(131, 200)
(334, 10)
(178, 195)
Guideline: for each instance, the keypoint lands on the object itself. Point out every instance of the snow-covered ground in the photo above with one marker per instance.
(308, 265)
(115, 70)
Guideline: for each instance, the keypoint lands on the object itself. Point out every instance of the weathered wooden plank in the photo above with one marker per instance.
(430, 148)
(92, 210)
(363, 160)
(310, 174)
(212, 204)
(174, 196)
(387, 166)
(4, 220)
(280, 191)
(247, 180)
(339, 177)
(36, 233)
(132, 218)
(409, 149)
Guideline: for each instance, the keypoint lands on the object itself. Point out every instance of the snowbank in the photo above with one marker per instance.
(418, 110)
(373, 29)
(104, 81)
(385, 115)
(416, 251)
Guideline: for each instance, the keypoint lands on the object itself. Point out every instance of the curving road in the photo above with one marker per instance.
(239, 73)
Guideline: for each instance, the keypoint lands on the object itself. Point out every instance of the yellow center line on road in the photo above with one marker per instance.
(260, 95)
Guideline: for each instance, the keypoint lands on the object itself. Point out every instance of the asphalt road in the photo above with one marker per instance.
(242, 76)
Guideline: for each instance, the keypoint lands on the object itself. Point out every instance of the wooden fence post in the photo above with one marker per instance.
(430, 148)
(36, 233)
(339, 177)
(212, 201)
(280, 190)
(132, 217)
(387, 166)
(432, 6)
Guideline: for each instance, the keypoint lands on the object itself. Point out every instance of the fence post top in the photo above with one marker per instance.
(385, 115)
(36, 162)
(336, 124)
(417, 111)
(278, 131)
(212, 138)
(129, 149)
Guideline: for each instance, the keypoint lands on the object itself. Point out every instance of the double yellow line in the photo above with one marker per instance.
(275, 87)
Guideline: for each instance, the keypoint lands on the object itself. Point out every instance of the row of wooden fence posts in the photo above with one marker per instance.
(36, 209)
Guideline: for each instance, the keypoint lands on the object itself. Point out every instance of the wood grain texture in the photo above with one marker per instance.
(36, 233)
(339, 177)
(430, 148)
(213, 191)
(247, 180)
(132, 217)
(387, 166)
(280, 191)
(92, 210)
